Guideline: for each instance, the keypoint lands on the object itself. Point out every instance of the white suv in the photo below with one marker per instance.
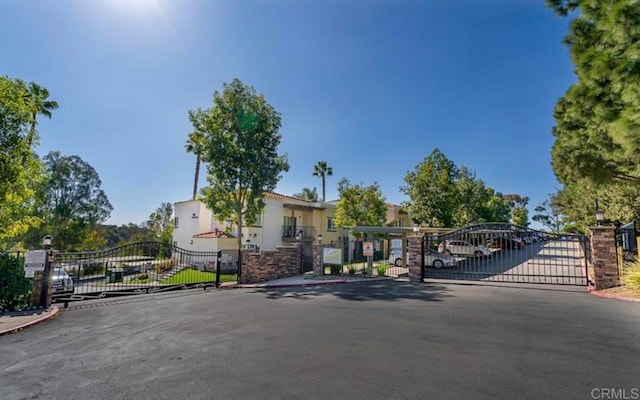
(464, 248)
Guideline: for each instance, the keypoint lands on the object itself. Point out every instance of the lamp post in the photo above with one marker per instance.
(46, 274)
(319, 237)
(599, 214)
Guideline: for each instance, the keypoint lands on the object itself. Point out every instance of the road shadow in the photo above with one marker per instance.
(375, 290)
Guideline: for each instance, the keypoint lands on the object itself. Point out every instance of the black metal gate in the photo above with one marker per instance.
(137, 268)
(507, 253)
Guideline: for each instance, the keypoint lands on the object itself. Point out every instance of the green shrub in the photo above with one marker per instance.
(631, 274)
(93, 269)
(381, 269)
(15, 289)
(336, 269)
(352, 269)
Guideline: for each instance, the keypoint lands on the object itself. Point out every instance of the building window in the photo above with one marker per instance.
(400, 223)
(331, 226)
(258, 221)
(175, 222)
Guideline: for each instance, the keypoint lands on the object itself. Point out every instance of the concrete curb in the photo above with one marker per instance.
(50, 314)
(286, 285)
(612, 296)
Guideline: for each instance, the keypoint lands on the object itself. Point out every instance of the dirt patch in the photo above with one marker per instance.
(623, 291)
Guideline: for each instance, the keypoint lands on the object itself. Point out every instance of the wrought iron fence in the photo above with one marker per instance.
(627, 242)
(137, 268)
(15, 290)
(507, 253)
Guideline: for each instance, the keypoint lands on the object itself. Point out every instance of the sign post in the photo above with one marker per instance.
(367, 250)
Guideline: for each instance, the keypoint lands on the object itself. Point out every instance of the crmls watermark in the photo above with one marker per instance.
(615, 393)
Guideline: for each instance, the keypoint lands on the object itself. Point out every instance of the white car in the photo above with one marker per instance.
(62, 282)
(464, 248)
(431, 258)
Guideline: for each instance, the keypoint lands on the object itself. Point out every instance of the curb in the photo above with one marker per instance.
(286, 285)
(612, 296)
(50, 314)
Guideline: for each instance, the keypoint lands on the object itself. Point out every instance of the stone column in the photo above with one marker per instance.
(317, 260)
(414, 252)
(604, 257)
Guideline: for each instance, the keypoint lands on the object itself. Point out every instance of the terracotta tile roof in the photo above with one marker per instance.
(215, 234)
(278, 196)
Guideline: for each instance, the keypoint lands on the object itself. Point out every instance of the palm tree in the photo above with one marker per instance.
(37, 98)
(307, 194)
(321, 169)
(195, 145)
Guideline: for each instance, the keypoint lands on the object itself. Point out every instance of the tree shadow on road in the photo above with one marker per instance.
(380, 290)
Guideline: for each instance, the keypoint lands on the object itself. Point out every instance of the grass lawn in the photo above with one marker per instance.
(194, 276)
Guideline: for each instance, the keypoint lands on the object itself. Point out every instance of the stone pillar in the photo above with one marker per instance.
(414, 252)
(317, 260)
(604, 257)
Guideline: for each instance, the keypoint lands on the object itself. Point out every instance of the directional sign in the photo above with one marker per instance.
(367, 249)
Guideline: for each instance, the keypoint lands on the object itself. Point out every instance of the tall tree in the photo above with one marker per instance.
(360, 205)
(20, 169)
(70, 200)
(242, 134)
(307, 194)
(549, 215)
(431, 191)
(160, 222)
(620, 201)
(322, 170)
(443, 195)
(195, 143)
(38, 98)
(597, 127)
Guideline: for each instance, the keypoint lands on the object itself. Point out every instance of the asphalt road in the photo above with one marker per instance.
(371, 340)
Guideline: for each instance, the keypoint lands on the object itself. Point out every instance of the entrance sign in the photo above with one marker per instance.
(33, 262)
(332, 256)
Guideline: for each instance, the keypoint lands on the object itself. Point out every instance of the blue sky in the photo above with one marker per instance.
(370, 86)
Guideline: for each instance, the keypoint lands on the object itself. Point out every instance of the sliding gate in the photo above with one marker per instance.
(137, 268)
(508, 253)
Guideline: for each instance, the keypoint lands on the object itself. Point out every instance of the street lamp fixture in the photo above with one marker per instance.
(320, 238)
(46, 241)
(599, 217)
(416, 229)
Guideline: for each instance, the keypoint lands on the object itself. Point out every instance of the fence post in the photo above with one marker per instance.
(218, 263)
(45, 290)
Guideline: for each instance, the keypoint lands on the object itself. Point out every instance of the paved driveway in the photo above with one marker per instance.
(371, 340)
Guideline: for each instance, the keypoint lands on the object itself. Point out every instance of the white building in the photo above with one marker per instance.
(283, 221)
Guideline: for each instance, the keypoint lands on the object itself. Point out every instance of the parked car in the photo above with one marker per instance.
(506, 243)
(62, 282)
(464, 248)
(431, 259)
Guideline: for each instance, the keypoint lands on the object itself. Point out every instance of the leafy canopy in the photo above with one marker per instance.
(597, 127)
(20, 169)
(443, 195)
(241, 138)
(70, 200)
(360, 205)
(160, 223)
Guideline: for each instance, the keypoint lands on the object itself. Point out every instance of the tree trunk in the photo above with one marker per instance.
(324, 198)
(239, 247)
(195, 178)
(30, 136)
